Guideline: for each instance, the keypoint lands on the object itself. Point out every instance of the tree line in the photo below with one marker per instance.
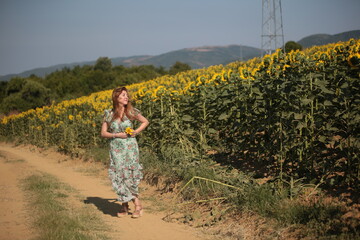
(21, 94)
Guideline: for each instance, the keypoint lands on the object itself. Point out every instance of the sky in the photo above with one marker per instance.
(42, 33)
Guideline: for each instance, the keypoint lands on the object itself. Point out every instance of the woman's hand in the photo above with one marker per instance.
(134, 133)
(121, 135)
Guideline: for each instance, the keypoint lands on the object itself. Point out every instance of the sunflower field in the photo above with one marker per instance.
(297, 114)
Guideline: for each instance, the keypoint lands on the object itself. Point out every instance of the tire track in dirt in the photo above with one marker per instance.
(95, 191)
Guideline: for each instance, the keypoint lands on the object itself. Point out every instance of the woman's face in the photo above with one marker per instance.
(123, 98)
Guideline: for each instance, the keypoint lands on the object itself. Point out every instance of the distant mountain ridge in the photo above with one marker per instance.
(197, 57)
(322, 39)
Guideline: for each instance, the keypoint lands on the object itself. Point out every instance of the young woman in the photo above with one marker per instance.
(125, 170)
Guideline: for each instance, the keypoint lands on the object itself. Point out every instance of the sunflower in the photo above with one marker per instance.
(129, 131)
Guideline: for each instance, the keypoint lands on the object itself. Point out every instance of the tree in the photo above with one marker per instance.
(103, 64)
(32, 95)
(14, 85)
(35, 94)
(3, 86)
(179, 67)
(291, 45)
(12, 103)
(20, 94)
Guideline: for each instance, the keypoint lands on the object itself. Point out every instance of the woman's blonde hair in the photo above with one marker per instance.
(128, 111)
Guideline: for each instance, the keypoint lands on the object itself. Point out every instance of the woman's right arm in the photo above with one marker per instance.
(106, 134)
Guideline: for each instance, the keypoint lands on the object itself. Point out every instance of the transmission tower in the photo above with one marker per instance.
(272, 27)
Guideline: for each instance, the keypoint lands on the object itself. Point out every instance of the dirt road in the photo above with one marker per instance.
(18, 161)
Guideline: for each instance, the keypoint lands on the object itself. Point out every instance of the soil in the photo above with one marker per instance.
(89, 179)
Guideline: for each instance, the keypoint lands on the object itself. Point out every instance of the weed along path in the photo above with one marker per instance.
(18, 161)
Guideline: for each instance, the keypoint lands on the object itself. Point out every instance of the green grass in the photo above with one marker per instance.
(58, 214)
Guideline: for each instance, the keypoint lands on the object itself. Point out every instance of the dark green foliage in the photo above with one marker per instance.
(292, 46)
(103, 64)
(25, 94)
(11, 103)
(14, 85)
(21, 94)
(35, 94)
(179, 67)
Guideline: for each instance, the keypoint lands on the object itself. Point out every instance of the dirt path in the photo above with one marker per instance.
(96, 191)
(13, 214)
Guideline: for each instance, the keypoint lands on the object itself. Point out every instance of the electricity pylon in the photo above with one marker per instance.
(272, 27)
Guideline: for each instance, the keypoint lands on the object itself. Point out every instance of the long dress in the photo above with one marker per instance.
(125, 171)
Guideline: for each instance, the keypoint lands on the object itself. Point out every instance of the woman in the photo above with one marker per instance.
(125, 169)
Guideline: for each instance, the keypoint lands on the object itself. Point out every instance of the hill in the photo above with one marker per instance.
(322, 39)
(197, 57)
(41, 72)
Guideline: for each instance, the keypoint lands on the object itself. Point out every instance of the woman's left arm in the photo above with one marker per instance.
(143, 125)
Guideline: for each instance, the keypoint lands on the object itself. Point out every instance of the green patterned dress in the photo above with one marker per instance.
(125, 171)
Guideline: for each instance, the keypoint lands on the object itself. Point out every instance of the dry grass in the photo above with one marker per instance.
(59, 213)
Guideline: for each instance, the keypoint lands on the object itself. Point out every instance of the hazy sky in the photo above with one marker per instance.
(41, 33)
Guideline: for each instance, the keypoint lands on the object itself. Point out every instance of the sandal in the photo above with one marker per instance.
(138, 211)
(125, 210)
